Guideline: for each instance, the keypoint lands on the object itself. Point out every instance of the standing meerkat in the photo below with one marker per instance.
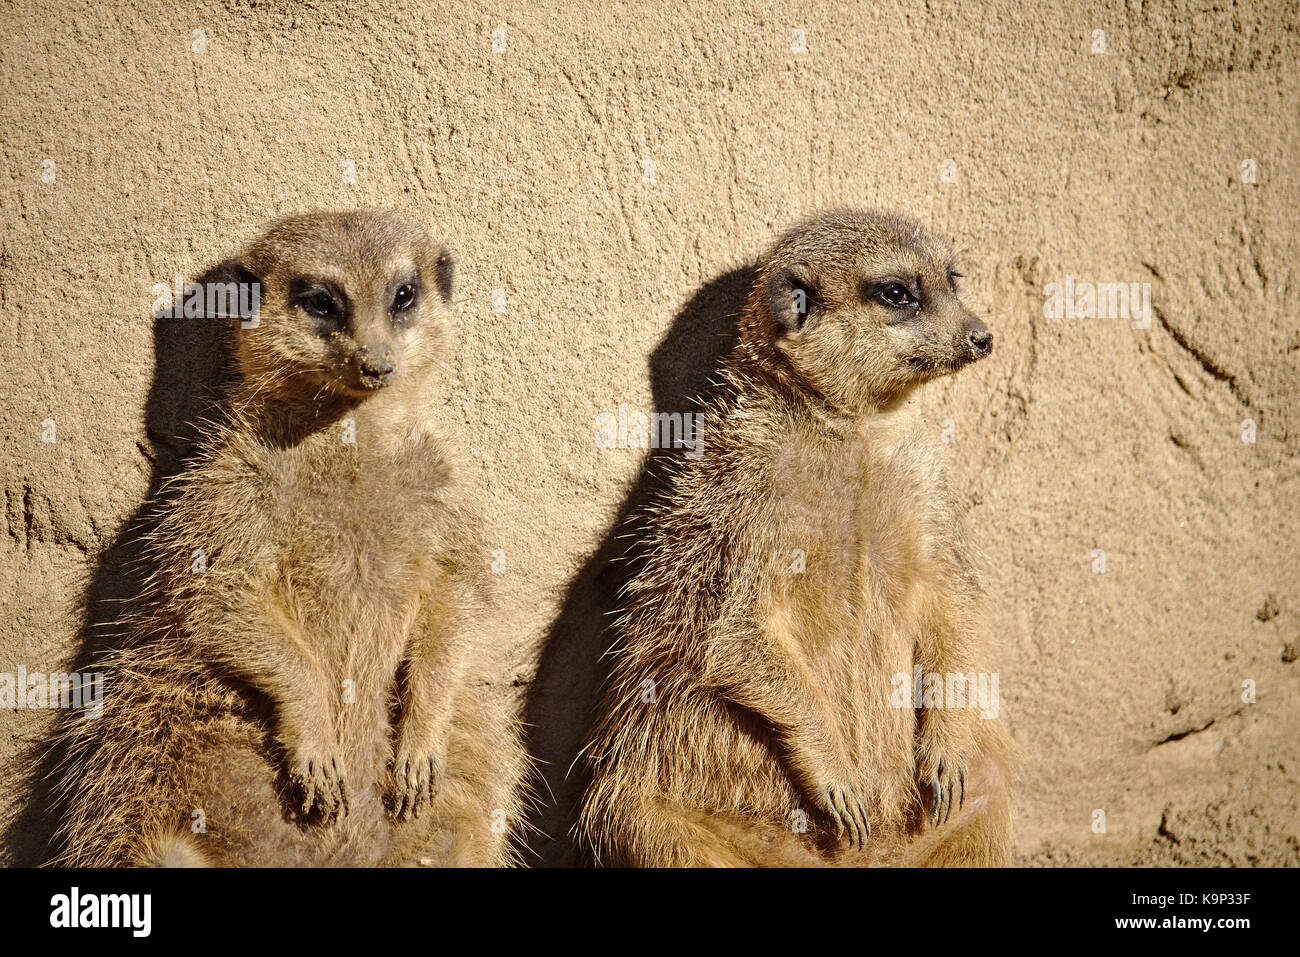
(760, 707)
(304, 679)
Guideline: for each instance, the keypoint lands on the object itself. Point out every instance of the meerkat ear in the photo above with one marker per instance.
(230, 270)
(241, 290)
(444, 271)
(792, 297)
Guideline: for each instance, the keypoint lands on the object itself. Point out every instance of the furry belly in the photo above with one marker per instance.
(250, 819)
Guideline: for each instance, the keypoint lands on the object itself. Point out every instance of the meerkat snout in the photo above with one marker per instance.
(374, 371)
(979, 338)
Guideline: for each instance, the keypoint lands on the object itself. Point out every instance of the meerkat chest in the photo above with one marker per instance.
(865, 545)
(356, 551)
(371, 567)
(892, 566)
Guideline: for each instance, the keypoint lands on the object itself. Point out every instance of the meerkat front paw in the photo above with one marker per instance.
(843, 806)
(318, 782)
(941, 748)
(947, 783)
(417, 774)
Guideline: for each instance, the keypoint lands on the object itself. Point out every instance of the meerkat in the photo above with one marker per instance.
(305, 679)
(760, 707)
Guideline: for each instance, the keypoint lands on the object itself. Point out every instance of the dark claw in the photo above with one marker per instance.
(322, 789)
(949, 792)
(849, 815)
(835, 815)
(413, 790)
(841, 814)
(308, 789)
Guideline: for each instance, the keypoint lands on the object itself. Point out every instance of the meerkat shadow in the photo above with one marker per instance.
(572, 668)
(193, 365)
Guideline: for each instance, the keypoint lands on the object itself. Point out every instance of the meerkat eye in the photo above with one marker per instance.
(404, 298)
(321, 303)
(317, 301)
(895, 295)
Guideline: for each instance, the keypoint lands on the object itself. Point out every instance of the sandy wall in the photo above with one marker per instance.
(1169, 160)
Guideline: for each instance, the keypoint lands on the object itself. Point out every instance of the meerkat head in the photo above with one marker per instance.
(864, 307)
(350, 303)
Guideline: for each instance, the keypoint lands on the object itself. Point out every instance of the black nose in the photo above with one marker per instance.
(981, 342)
(375, 372)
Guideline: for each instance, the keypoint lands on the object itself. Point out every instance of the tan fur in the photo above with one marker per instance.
(772, 687)
(173, 850)
(318, 695)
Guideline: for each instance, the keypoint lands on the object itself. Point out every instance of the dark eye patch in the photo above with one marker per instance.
(319, 299)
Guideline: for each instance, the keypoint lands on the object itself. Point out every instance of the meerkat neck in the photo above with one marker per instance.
(780, 379)
(387, 418)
